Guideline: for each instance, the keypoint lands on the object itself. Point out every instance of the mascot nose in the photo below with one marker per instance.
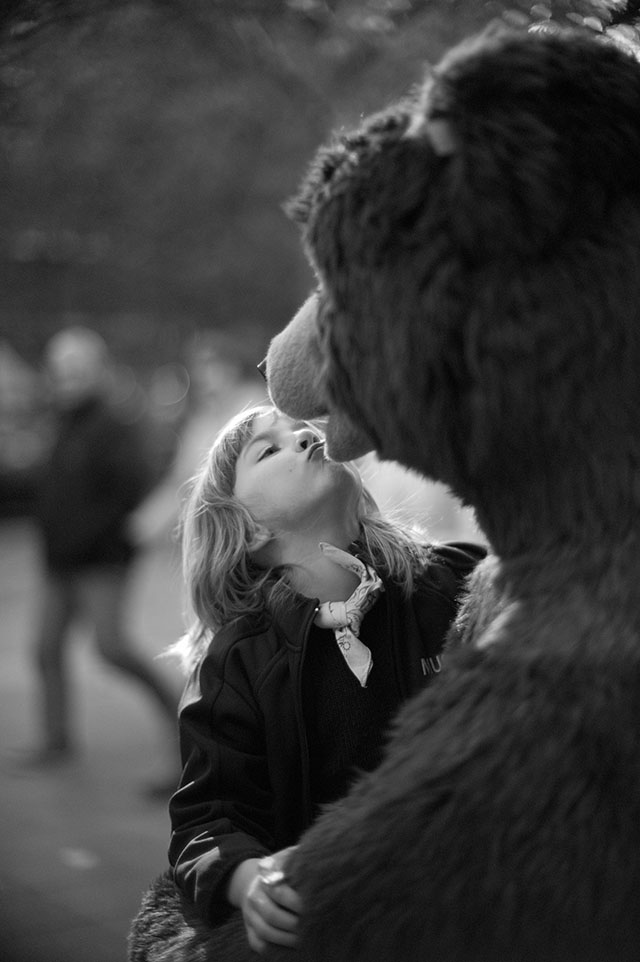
(262, 367)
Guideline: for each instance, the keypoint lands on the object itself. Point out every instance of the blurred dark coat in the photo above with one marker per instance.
(97, 473)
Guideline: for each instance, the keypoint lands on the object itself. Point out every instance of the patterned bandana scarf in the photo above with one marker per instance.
(345, 617)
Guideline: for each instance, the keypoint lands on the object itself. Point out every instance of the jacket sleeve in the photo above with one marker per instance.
(440, 592)
(221, 813)
(459, 558)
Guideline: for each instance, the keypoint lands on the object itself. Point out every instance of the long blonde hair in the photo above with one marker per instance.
(223, 582)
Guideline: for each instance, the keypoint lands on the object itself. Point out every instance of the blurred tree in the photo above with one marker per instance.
(147, 146)
(145, 158)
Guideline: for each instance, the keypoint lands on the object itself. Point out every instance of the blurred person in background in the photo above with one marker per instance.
(96, 475)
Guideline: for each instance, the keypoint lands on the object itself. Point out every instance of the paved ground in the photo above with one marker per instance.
(79, 845)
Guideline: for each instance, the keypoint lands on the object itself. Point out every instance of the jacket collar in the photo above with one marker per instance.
(294, 618)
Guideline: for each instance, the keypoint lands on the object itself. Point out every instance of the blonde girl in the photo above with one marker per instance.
(314, 619)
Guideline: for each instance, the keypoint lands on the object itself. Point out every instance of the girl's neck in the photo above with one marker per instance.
(313, 574)
(319, 577)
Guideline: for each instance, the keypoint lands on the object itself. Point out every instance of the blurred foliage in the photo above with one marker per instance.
(147, 147)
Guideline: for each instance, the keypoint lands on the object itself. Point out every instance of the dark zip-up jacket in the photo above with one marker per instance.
(245, 787)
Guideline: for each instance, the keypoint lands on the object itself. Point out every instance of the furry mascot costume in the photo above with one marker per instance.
(477, 318)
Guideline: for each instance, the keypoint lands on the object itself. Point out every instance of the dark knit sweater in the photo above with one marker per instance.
(346, 723)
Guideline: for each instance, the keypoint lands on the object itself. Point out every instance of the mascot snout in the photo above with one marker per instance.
(294, 369)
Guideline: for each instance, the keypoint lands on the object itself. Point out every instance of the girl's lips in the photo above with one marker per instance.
(316, 446)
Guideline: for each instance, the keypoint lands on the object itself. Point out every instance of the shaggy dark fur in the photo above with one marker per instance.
(503, 824)
(478, 250)
(479, 319)
(167, 929)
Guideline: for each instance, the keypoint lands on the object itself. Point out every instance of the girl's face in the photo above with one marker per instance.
(287, 484)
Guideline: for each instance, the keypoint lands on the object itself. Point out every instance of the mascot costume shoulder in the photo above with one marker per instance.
(477, 318)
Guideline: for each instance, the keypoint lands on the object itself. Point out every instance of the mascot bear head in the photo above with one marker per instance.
(477, 314)
(477, 318)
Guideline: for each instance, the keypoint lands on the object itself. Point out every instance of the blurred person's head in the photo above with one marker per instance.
(76, 360)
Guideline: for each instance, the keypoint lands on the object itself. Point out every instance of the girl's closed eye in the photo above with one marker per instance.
(270, 449)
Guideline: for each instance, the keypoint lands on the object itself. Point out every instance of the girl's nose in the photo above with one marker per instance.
(304, 438)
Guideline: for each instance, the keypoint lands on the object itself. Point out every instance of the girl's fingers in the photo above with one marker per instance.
(267, 921)
(287, 897)
(255, 943)
(260, 932)
(272, 915)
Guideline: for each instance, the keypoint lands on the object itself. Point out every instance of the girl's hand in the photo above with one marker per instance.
(269, 906)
